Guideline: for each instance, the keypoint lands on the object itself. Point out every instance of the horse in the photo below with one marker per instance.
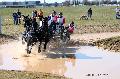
(27, 26)
(37, 35)
(44, 34)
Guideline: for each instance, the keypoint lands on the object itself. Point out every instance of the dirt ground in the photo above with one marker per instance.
(75, 39)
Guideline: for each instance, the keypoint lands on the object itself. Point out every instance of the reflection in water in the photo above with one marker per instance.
(79, 61)
(83, 56)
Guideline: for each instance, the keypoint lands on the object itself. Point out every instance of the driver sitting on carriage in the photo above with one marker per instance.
(52, 20)
(60, 22)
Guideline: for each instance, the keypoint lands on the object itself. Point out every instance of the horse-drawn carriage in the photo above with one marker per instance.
(34, 34)
(117, 15)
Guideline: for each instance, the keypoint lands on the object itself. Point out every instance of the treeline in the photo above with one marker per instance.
(88, 2)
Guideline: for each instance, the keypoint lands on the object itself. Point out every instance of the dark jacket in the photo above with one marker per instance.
(90, 11)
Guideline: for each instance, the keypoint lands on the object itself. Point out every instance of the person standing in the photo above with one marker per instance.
(15, 18)
(90, 13)
(33, 14)
(19, 16)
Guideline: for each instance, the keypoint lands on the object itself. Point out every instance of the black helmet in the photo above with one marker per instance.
(60, 13)
(72, 22)
(54, 12)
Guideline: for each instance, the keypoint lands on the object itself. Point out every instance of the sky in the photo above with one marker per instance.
(48, 1)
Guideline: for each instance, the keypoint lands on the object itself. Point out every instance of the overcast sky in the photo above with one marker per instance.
(48, 1)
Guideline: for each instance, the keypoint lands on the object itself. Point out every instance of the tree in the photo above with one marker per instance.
(106, 1)
(114, 2)
(95, 2)
(26, 3)
(118, 2)
(66, 3)
(4, 3)
(15, 3)
(56, 4)
(37, 2)
(86, 2)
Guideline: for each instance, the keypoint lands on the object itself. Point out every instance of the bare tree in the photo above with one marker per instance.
(86, 2)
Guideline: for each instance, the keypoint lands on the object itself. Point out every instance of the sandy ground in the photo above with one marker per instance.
(94, 36)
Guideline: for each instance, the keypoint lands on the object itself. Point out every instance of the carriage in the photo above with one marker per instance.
(35, 33)
(117, 15)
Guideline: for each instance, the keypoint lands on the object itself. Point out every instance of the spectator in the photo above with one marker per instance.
(35, 13)
(19, 16)
(15, 18)
(90, 13)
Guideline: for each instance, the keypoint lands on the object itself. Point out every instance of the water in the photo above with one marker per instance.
(83, 62)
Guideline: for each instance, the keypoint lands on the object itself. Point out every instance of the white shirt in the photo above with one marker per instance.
(117, 10)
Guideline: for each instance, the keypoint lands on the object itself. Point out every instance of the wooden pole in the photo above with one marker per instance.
(0, 25)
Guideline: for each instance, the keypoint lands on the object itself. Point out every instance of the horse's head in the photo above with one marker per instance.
(26, 18)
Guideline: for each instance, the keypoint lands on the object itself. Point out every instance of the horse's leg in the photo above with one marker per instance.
(29, 45)
(46, 41)
(39, 47)
(28, 49)
(23, 38)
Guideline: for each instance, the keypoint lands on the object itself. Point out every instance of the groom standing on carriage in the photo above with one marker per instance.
(61, 21)
(52, 20)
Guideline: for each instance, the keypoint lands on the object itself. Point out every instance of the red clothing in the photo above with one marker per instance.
(71, 28)
(55, 18)
(61, 20)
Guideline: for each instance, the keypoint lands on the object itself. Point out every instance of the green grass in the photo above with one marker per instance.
(103, 17)
(27, 75)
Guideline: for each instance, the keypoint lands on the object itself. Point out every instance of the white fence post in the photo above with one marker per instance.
(0, 24)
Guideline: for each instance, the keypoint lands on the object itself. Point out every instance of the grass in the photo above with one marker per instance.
(103, 18)
(27, 75)
(110, 43)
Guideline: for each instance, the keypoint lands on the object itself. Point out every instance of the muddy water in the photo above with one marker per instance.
(82, 62)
